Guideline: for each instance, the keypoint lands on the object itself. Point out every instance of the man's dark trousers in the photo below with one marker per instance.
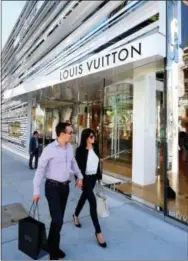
(32, 155)
(57, 196)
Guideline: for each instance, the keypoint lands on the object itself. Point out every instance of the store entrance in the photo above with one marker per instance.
(117, 130)
(107, 109)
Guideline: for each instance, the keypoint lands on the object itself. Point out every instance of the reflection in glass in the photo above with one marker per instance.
(117, 129)
(177, 82)
(178, 207)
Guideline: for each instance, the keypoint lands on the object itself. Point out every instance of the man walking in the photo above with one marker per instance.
(34, 150)
(56, 162)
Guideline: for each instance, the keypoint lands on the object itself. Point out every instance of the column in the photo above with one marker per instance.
(144, 130)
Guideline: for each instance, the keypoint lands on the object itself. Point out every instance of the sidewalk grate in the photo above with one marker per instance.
(11, 214)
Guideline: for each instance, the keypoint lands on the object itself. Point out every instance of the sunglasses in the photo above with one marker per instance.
(91, 136)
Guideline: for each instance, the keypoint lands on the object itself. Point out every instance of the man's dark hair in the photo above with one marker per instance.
(35, 132)
(61, 127)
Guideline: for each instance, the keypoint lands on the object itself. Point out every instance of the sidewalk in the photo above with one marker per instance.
(131, 233)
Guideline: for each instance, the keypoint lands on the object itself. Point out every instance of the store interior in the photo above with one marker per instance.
(104, 102)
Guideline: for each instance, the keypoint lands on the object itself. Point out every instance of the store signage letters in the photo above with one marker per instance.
(136, 53)
(103, 62)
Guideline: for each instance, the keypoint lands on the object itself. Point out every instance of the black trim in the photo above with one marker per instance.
(165, 142)
(165, 119)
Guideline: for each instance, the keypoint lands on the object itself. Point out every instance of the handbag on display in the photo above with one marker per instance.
(32, 239)
(102, 207)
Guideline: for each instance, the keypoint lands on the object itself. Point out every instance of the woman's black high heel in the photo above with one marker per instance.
(76, 225)
(104, 245)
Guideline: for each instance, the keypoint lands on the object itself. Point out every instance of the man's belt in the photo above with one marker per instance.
(52, 181)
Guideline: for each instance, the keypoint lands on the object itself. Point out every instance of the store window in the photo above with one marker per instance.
(14, 129)
(177, 111)
(38, 116)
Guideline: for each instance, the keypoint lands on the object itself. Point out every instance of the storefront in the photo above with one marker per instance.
(119, 94)
(126, 93)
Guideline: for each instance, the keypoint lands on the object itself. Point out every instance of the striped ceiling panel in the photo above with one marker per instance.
(51, 35)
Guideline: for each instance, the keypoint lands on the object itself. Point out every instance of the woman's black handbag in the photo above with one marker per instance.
(32, 238)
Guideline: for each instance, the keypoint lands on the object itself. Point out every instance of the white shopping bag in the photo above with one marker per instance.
(102, 207)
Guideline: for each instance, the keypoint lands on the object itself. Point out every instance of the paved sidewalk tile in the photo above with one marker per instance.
(126, 241)
(131, 233)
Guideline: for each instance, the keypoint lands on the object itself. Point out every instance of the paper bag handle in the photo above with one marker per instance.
(36, 207)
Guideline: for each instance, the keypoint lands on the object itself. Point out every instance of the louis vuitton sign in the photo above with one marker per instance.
(103, 62)
(134, 54)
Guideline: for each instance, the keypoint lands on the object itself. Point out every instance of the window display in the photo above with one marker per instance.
(15, 129)
(54, 124)
(48, 123)
(38, 115)
(66, 114)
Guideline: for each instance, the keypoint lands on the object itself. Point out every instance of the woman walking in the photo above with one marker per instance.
(87, 157)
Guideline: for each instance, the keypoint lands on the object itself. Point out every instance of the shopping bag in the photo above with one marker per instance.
(102, 207)
(32, 238)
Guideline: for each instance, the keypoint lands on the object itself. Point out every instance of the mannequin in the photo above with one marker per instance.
(54, 124)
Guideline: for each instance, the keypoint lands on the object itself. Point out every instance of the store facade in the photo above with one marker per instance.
(121, 92)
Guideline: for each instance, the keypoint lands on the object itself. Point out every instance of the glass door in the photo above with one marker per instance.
(117, 130)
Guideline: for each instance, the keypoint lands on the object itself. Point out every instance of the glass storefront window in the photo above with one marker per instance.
(177, 111)
(38, 117)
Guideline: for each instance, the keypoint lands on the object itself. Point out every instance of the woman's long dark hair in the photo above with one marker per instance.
(85, 135)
